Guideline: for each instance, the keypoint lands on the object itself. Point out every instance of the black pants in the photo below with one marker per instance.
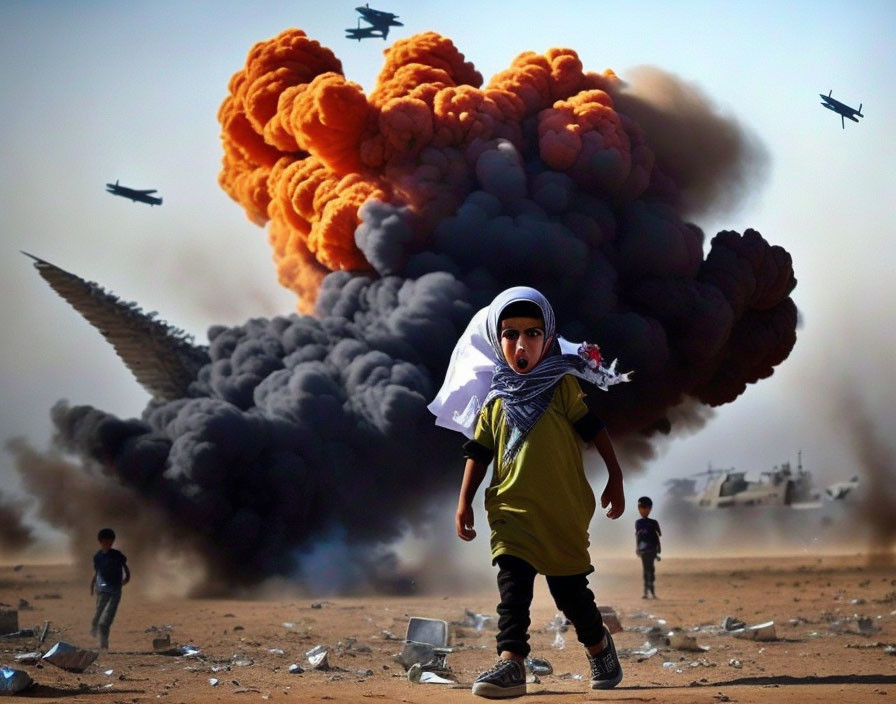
(516, 579)
(647, 559)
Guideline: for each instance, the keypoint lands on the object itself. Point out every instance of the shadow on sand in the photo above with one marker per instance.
(43, 691)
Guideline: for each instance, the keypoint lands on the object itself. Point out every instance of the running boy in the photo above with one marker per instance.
(647, 544)
(539, 502)
(110, 574)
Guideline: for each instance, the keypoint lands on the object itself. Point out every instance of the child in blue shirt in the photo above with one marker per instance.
(110, 574)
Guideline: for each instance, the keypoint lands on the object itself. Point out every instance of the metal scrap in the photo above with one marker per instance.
(70, 657)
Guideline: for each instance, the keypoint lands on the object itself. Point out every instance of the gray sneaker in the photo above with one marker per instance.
(606, 672)
(506, 679)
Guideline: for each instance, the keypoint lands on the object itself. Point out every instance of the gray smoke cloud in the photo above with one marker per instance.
(15, 533)
(713, 159)
(308, 436)
(875, 463)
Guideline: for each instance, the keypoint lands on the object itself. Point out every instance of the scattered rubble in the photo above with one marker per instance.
(559, 624)
(643, 653)
(23, 633)
(729, 623)
(163, 643)
(539, 666)
(418, 675)
(679, 640)
(476, 621)
(317, 658)
(31, 658)
(14, 681)
(44, 630)
(9, 621)
(610, 618)
(761, 632)
(426, 646)
(415, 653)
(70, 657)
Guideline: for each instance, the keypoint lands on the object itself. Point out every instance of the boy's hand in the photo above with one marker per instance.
(464, 522)
(614, 497)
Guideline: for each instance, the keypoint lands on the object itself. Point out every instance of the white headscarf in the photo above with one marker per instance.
(477, 356)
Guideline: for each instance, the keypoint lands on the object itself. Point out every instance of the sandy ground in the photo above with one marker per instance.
(820, 655)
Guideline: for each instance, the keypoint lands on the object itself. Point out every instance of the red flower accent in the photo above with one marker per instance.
(591, 352)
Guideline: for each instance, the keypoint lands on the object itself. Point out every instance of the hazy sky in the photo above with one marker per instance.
(98, 91)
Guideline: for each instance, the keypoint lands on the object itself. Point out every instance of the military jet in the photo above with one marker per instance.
(378, 20)
(363, 33)
(133, 193)
(841, 109)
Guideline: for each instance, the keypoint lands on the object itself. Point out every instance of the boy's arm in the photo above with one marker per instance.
(92, 583)
(127, 575)
(614, 494)
(474, 472)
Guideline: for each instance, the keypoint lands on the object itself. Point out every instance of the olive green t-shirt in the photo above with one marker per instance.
(540, 505)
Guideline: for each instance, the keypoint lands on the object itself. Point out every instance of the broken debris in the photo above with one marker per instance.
(14, 681)
(683, 641)
(162, 643)
(558, 625)
(610, 618)
(29, 658)
(476, 621)
(539, 666)
(70, 657)
(732, 624)
(317, 658)
(761, 632)
(23, 633)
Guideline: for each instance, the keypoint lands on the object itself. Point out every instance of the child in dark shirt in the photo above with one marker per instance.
(647, 544)
(110, 574)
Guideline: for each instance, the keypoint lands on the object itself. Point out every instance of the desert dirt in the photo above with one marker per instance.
(821, 653)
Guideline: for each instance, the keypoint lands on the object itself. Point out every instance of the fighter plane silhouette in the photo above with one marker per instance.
(840, 108)
(133, 193)
(378, 20)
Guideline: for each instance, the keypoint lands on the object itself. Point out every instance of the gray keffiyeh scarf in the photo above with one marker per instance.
(525, 397)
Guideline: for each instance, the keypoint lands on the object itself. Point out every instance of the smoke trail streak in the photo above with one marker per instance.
(394, 217)
(163, 359)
